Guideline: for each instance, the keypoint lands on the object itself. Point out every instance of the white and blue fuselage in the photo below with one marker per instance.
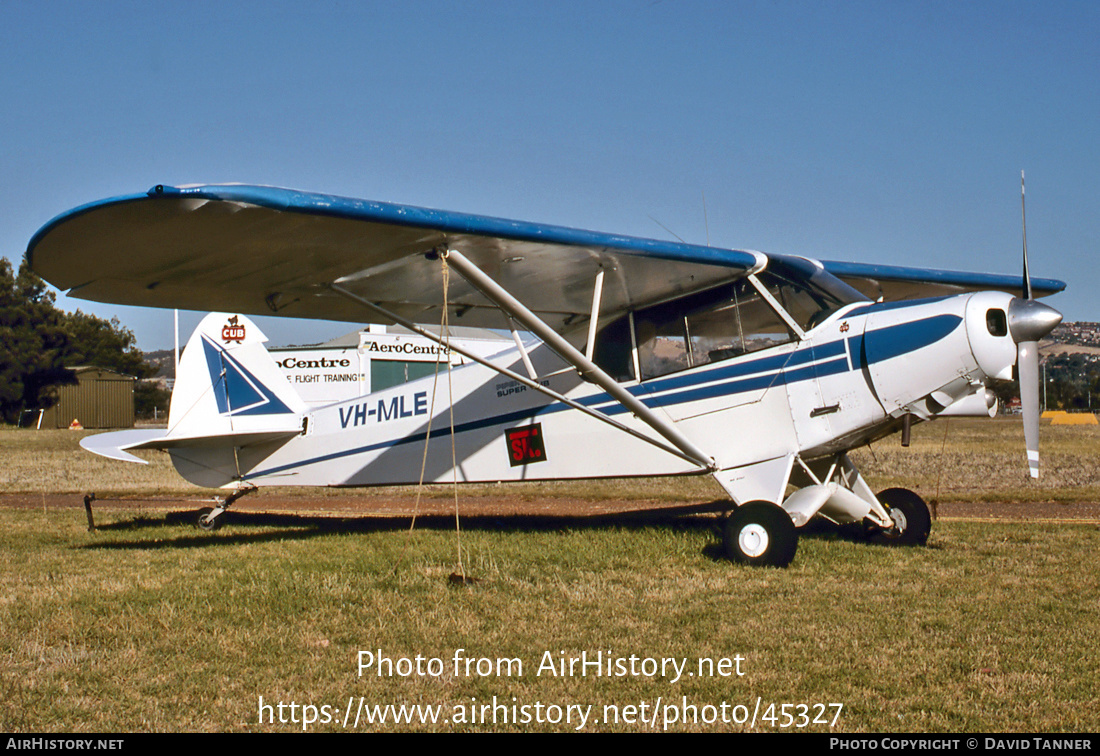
(850, 380)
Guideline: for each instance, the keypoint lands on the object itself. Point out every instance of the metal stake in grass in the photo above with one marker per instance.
(88, 499)
(456, 579)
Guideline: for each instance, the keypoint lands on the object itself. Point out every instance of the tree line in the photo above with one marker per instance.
(1071, 382)
(38, 342)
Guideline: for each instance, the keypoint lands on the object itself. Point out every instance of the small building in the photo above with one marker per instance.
(100, 398)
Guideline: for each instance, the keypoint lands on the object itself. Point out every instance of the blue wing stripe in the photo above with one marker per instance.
(833, 360)
(945, 277)
(419, 217)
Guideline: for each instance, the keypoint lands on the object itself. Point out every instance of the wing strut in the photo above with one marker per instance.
(594, 319)
(522, 351)
(532, 384)
(588, 369)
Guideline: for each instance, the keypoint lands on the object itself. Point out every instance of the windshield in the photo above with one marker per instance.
(807, 292)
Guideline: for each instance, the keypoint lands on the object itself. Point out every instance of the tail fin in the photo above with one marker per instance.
(229, 395)
(228, 384)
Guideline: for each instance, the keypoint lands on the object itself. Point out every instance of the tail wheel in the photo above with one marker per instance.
(760, 533)
(912, 522)
(207, 521)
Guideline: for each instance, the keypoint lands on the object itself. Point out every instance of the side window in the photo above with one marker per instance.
(715, 325)
(724, 322)
(807, 303)
(759, 327)
(662, 340)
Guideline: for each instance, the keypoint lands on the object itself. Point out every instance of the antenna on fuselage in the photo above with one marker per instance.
(666, 228)
(706, 225)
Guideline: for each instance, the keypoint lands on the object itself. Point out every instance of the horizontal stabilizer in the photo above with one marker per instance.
(114, 445)
(119, 444)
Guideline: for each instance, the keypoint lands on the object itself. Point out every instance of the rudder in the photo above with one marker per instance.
(229, 384)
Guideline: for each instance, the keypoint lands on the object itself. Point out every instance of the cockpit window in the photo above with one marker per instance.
(614, 350)
(715, 325)
(720, 323)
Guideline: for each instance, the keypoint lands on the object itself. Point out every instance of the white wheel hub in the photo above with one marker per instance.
(753, 540)
(898, 517)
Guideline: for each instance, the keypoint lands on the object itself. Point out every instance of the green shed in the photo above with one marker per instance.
(101, 398)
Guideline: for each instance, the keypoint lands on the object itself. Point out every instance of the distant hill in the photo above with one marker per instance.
(1079, 333)
(1081, 337)
(1053, 348)
(164, 360)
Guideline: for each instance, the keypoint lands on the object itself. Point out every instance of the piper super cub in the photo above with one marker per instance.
(632, 357)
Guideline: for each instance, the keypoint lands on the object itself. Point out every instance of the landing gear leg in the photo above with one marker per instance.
(209, 521)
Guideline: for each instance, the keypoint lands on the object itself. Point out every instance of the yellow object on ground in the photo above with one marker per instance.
(1075, 418)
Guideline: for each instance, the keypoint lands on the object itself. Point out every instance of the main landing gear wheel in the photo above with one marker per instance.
(760, 533)
(912, 522)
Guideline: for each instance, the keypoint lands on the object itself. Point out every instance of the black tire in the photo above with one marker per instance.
(911, 514)
(761, 534)
(208, 523)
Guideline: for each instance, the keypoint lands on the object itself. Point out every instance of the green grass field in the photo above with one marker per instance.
(151, 625)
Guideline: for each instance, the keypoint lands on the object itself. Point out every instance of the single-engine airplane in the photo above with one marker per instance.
(632, 357)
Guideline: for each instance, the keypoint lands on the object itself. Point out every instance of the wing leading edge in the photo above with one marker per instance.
(263, 250)
(893, 282)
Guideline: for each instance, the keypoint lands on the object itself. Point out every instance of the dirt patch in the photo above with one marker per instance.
(513, 506)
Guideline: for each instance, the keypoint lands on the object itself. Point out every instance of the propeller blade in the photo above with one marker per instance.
(1028, 321)
(1023, 218)
(1027, 363)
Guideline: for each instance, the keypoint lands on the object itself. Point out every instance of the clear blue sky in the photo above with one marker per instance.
(889, 132)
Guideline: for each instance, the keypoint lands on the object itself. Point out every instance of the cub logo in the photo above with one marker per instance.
(233, 331)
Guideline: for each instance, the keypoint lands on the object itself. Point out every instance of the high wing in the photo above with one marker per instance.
(263, 251)
(892, 282)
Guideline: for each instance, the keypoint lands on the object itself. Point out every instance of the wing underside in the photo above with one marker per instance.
(269, 251)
